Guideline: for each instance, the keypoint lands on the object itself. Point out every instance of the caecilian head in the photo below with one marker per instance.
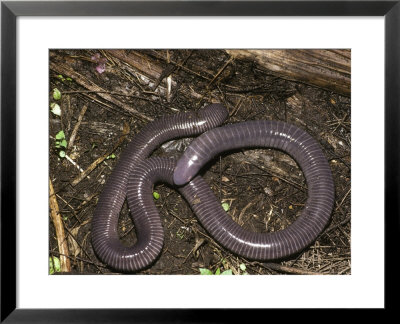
(186, 168)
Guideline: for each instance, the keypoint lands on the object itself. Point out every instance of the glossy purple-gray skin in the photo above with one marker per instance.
(269, 134)
(105, 239)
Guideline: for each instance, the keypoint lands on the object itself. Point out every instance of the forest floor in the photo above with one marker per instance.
(105, 101)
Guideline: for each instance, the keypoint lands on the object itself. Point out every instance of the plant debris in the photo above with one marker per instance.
(103, 107)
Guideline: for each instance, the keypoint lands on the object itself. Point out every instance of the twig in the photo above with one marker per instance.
(239, 221)
(80, 259)
(271, 174)
(113, 93)
(85, 173)
(220, 71)
(72, 208)
(75, 130)
(344, 198)
(73, 163)
(169, 81)
(330, 229)
(68, 158)
(282, 268)
(186, 69)
(88, 84)
(82, 249)
(59, 227)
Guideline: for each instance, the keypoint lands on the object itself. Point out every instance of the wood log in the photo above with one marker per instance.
(141, 62)
(328, 69)
(150, 68)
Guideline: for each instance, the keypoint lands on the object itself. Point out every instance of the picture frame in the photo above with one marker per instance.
(11, 10)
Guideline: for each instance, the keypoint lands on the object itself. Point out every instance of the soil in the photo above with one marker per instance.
(264, 189)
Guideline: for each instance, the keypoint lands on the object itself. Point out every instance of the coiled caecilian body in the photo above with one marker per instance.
(105, 239)
(143, 172)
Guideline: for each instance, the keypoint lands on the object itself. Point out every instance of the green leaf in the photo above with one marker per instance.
(204, 271)
(156, 195)
(61, 154)
(218, 271)
(242, 267)
(54, 265)
(225, 206)
(227, 272)
(56, 94)
(69, 79)
(60, 135)
(180, 234)
(51, 267)
(63, 143)
(55, 109)
(111, 156)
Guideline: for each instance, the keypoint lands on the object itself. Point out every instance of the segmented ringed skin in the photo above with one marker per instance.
(269, 134)
(135, 174)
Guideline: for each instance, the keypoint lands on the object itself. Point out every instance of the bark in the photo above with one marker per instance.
(327, 69)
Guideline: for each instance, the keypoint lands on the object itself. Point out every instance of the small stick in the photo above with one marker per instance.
(65, 69)
(330, 229)
(70, 160)
(344, 198)
(80, 259)
(73, 163)
(239, 221)
(298, 186)
(282, 268)
(75, 130)
(220, 71)
(81, 247)
(85, 173)
(169, 81)
(59, 227)
(72, 208)
(114, 94)
(186, 69)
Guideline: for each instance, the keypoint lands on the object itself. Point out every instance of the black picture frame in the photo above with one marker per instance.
(10, 10)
